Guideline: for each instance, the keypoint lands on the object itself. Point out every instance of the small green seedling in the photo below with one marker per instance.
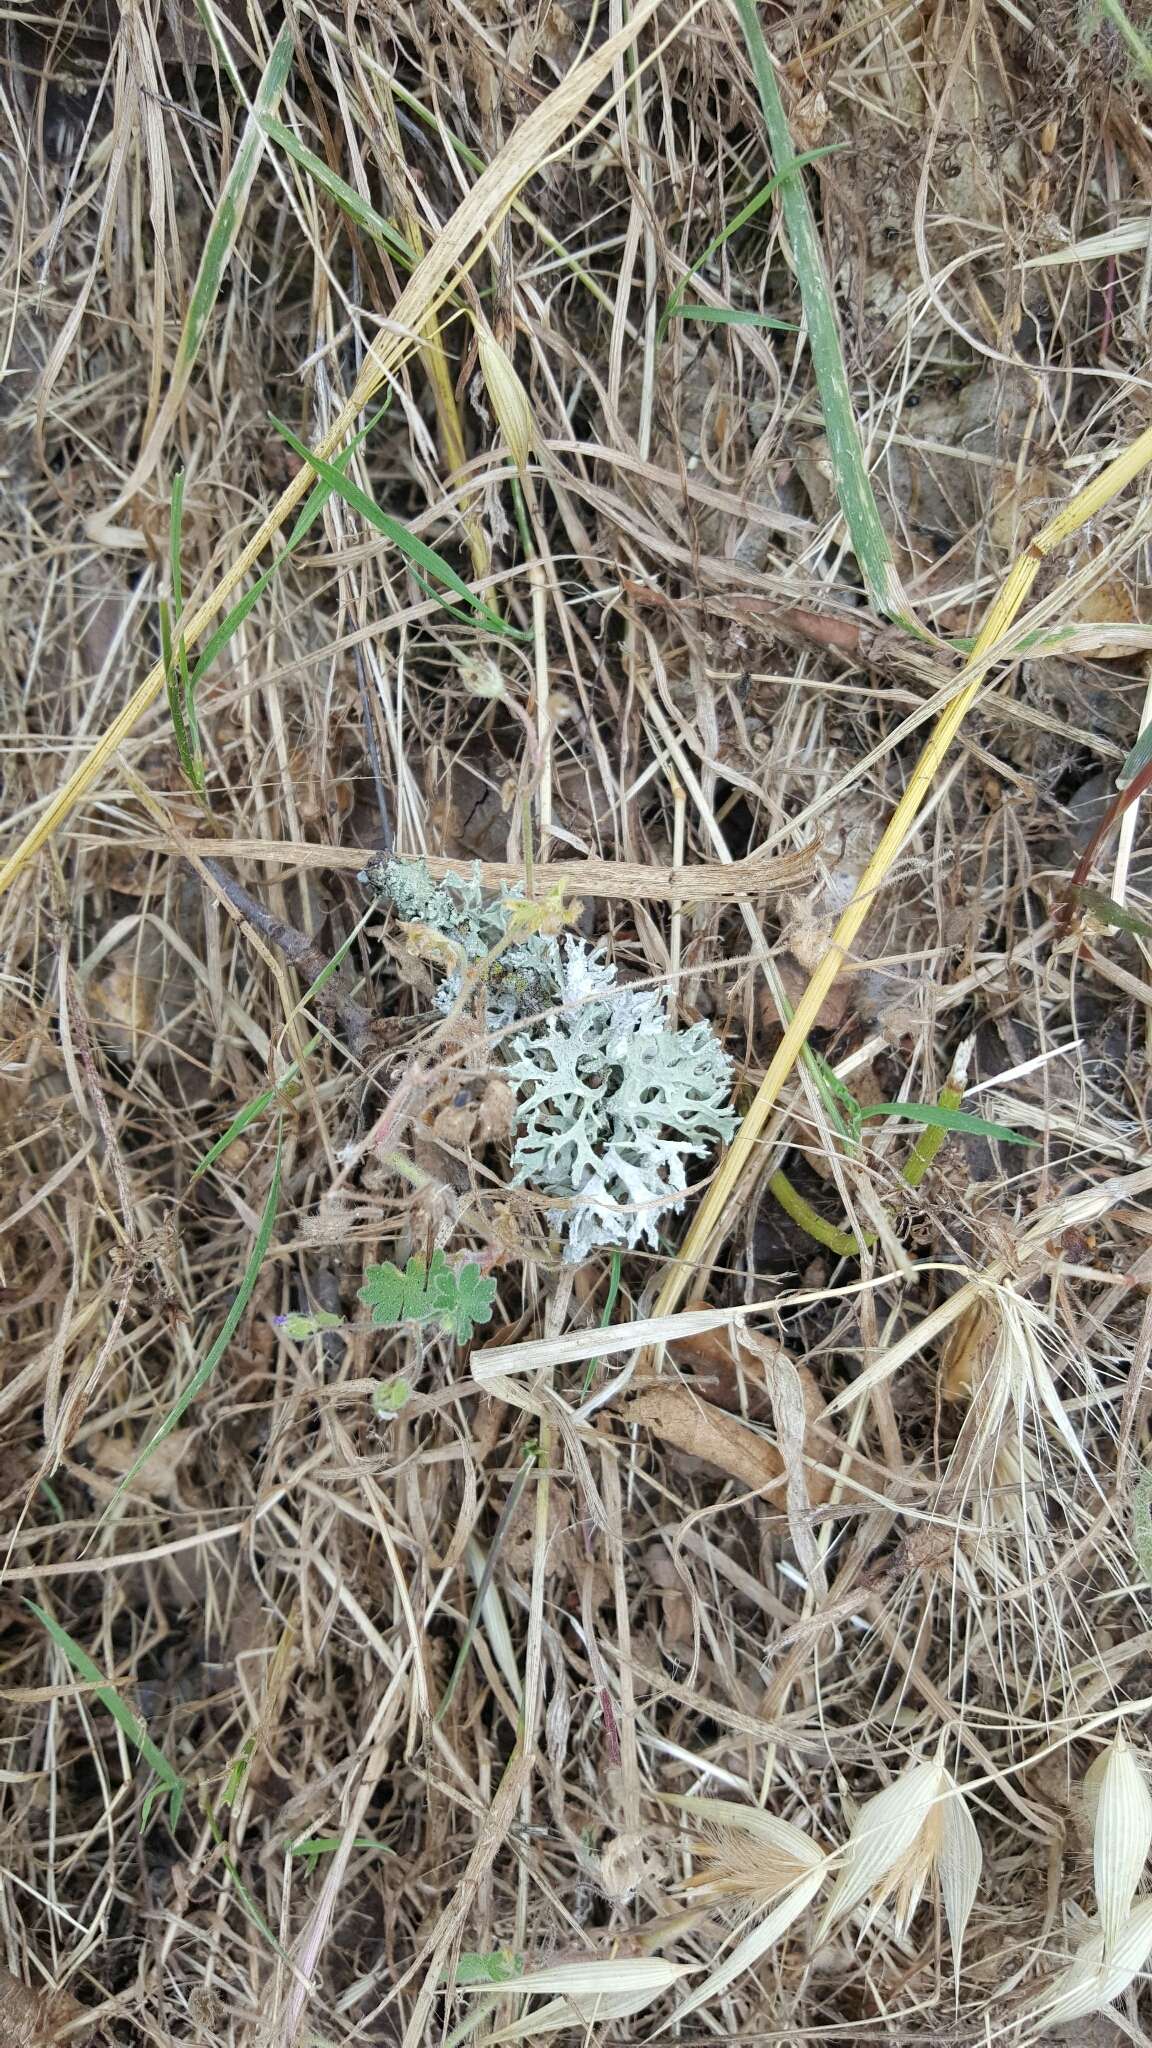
(420, 1294)
(313, 1847)
(391, 1396)
(500, 1968)
(299, 1327)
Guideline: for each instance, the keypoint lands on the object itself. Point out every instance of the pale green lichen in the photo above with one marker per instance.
(613, 1100)
(519, 981)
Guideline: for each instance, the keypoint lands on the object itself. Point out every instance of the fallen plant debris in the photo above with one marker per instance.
(664, 498)
(38, 2019)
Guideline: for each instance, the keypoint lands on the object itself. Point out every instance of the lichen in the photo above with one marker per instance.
(520, 980)
(613, 1101)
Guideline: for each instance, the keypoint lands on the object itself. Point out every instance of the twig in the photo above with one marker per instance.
(358, 1021)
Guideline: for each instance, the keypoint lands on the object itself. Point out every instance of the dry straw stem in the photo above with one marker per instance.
(461, 242)
(759, 874)
(1086, 505)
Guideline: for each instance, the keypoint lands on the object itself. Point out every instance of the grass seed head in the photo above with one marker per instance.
(919, 1825)
(510, 401)
(1116, 1794)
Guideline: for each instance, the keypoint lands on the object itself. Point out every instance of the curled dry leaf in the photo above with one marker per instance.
(728, 1377)
(36, 2019)
(743, 1374)
(681, 1417)
(509, 399)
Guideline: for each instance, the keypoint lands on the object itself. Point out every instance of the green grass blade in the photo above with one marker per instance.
(179, 683)
(175, 695)
(230, 208)
(456, 143)
(253, 1110)
(1110, 912)
(1139, 758)
(733, 316)
(427, 563)
(740, 219)
(946, 1120)
(309, 512)
(1138, 49)
(345, 195)
(606, 1315)
(256, 1108)
(205, 1370)
(314, 1846)
(207, 12)
(846, 452)
(169, 1780)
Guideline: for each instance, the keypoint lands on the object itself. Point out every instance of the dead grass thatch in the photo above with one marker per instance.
(759, 555)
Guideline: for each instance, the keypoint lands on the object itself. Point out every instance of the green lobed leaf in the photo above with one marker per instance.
(473, 1302)
(432, 1293)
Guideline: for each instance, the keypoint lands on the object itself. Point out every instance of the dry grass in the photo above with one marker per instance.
(893, 1519)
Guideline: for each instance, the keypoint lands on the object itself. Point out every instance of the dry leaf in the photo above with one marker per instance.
(159, 1477)
(682, 1418)
(727, 1377)
(34, 2019)
(965, 1349)
(746, 1374)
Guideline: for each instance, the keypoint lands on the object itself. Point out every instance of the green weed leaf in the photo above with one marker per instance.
(432, 1293)
(734, 316)
(1111, 913)
(313, 1847)
(854, 491)
(473, 1304)
(500, 1968)
(298, 1327)
(356, 207)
